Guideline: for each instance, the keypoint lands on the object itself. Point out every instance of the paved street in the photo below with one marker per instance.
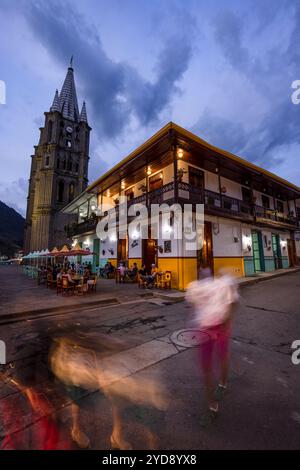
(261, 409)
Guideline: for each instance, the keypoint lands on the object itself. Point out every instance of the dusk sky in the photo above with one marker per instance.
(222, 69)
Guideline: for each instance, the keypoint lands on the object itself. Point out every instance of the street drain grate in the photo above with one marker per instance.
(189, 338)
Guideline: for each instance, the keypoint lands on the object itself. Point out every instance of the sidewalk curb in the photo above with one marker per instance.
(60, 309)
(23, 315)
(266, 278)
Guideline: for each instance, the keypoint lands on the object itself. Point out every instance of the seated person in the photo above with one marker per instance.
(151, 279)
(132, 273)
(86, 273)
(108, 269)
(143, 270)
(60, 275)
(69, 276)
(54, 273)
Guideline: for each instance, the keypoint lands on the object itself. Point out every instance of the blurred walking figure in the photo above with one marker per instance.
(85, 362)
(214, 301)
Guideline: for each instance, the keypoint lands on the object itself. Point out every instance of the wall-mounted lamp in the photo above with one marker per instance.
(180, 153)
(247, 243)
(149, 171)
(143, 188)
(283, 244)
(135, 235)
(223, 190)
(216, 228)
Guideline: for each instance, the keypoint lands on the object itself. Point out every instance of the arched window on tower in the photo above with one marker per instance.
(64, 164)
(71, 191)
(57, 163)
(50, 129)
(60, 191)
(69, 164)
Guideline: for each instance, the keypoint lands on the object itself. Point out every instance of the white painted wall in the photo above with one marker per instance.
(211, 181)
(135, 251)
(233, 188)
(223, 239)
(297, 243)
(267, 247)
(105, 246)
(246, 240)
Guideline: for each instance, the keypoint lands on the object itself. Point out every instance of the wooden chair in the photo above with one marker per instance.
(92, 284)
(50, 281)
(82, 287)
(58, 286)
(166, 280)
(66, 286)
(141, 282)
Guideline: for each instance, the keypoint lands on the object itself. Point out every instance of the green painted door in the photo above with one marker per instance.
(276, 251)
(258, 256)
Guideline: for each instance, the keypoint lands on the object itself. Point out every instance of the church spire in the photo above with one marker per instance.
(83, 115)
(55, 105)
(68, 96)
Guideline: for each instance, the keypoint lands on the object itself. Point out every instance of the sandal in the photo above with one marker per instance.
(220, 392)
(209, 416)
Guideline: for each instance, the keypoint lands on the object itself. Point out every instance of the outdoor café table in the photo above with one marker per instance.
(76, 279)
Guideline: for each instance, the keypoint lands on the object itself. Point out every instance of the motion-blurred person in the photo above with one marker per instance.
(44, 434)
(87, 362)
(214, 300)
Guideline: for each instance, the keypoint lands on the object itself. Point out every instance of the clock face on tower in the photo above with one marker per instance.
(69, 129)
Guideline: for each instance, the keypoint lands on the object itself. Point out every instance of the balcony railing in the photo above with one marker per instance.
(275, 216)
(215, 203)
(88, 225)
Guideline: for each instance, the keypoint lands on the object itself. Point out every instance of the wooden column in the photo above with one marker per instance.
(175, 163)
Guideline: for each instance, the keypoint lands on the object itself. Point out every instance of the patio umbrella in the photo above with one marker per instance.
(64, 252)
(78, 251)
(54, 252)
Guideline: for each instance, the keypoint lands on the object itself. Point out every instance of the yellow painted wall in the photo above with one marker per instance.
(138, 261)
(234, 266)
(113, 262)
(184, 270)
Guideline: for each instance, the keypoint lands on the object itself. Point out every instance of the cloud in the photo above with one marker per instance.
(115, 92)
(149, 99)
(228, 34)
(14, 194)
(278, 127)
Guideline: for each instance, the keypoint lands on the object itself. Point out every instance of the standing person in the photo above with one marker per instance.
(214, 300)
(122, 272)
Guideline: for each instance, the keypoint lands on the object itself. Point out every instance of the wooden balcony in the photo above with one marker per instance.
(215, 204)
(219, 204)
(275, 218)
(88, 226)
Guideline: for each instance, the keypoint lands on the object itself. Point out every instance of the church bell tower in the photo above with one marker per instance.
(59, 169)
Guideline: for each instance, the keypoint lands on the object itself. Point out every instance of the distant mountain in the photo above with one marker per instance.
(11, 230)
